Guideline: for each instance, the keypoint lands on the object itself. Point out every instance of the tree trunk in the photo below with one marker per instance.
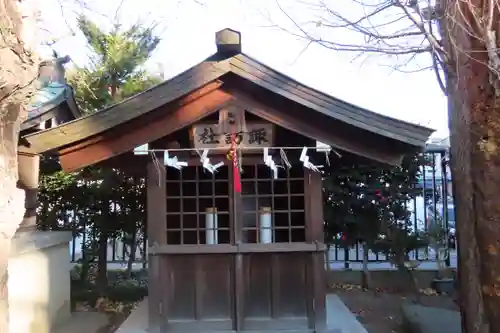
(365, 280)
(11, 204)
(131, 257)
(485, 177)
(18, 70)
(470, 296)
(328, 256)
(475, 160)
(102, 260)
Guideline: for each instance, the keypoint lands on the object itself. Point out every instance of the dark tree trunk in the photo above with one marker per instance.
(102, 269)
(131, 257)
(475, 161)
(365, 278)
(470, 299)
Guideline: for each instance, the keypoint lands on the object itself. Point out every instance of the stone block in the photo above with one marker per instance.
(39, 281)
(423, 319)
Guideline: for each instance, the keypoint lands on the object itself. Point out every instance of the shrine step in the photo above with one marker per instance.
(339, 319)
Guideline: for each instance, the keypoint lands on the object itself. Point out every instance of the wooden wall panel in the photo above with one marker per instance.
(215, 286)
(257, 285)
(200, 293)
(290, 275)
(182, 300)
(275, 291)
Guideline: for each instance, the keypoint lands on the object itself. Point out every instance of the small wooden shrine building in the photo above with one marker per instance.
(232, 246)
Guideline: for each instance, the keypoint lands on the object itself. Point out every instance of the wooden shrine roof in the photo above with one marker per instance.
(55, 98)
(220, 70)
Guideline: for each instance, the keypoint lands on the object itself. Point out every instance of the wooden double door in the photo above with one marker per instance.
(238, 292)
(241, 280)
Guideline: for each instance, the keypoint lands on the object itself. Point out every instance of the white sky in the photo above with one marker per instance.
(188, 33)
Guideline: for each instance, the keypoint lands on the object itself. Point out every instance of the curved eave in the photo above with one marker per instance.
(256, 72)
(52, 108)
(129, 109)
(214, 69)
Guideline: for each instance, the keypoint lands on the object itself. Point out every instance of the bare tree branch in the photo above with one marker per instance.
(395, 28)
(379, 44)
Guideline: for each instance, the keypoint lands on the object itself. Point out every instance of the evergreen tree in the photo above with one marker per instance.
(115, 72)
(368, 203)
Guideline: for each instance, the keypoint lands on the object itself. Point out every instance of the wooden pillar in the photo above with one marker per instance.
(156, 224)
(315, 234)
(29, 170)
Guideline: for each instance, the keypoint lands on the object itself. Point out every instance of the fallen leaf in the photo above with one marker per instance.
(428, 292)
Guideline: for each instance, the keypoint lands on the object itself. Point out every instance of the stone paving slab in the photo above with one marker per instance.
(83, 322)
(137, 322)
(339, 318)
(423, 319)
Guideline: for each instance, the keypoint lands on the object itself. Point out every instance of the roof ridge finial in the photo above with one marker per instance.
(228, 41)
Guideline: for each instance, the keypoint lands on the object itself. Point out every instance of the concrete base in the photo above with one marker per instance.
(339, 319)
(39, 281)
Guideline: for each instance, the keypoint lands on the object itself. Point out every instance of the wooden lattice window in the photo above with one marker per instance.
(198, 209)
(273, 209)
